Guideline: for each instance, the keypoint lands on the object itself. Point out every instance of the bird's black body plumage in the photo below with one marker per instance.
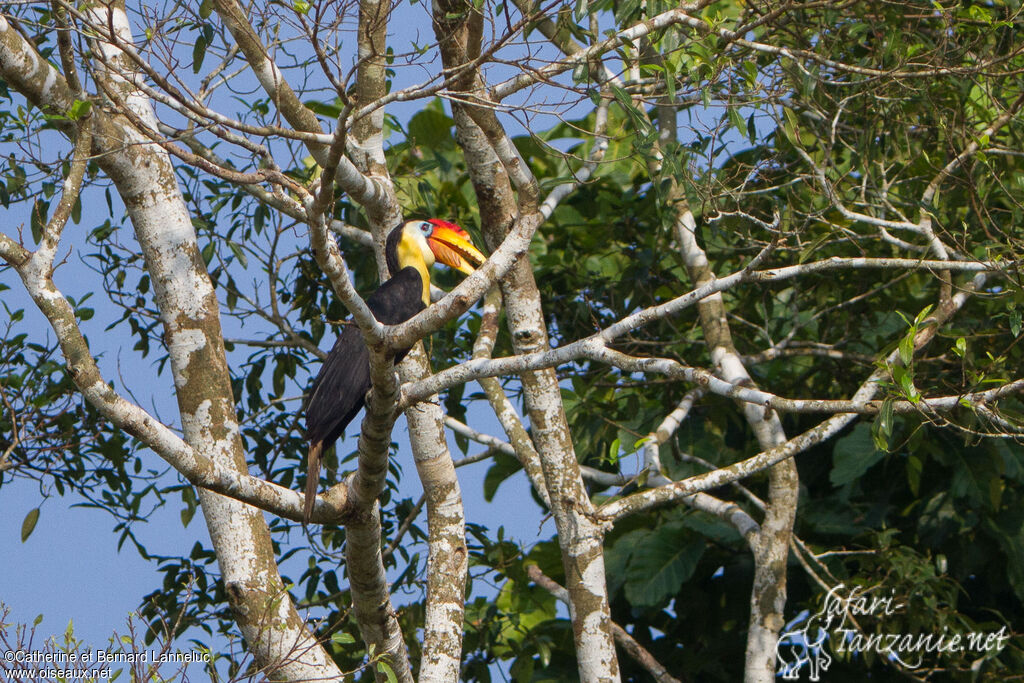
(339, 390)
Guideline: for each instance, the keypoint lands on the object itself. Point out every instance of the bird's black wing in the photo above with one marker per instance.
(398, 299)
(339, 390)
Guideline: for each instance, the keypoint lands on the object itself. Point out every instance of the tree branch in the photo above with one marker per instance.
(635, 650)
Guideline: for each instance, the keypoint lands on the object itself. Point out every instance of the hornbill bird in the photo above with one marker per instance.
(339, 390)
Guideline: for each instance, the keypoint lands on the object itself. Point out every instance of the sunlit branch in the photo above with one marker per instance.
(581, 176)
(198, 469)
(189, 105)
(595, 346)
(332, 263)
(522, 444)
(822, 432)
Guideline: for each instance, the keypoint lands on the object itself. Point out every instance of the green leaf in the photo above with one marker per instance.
(618, 555)
(527, 606)
(789, 126)
(280, 371)
(37, 222)
(915, 467)
(712, 528)
(386, 669)
(853, 455)
(657, 571)
(960, 348)
(907, 385)
(259, 219)
(330, 110)
(923, 315)
(207, 253)
(907, 346)
(905, 382)
(504, 467)
(431, 127)
(343, 638)
(974, 476)
(736, 119)
(750, 72)
(28, 525)
(79, 109)
(626, 9)
(199, 53)
(236, 249)
(613, 451)
(881, 428)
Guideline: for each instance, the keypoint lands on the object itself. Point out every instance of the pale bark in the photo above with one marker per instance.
(364, 564)
(869, 388)
(371, 598)
(771, 543)
(580, 536)
(447, 564)
(188, 304)
(625, 641)
(189, 311)
(132, 149)
(447, 561)
(595, 348)
(521, 444)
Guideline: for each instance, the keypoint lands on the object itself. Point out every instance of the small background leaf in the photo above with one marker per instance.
(29, 524)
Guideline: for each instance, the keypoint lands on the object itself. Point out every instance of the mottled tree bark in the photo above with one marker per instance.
(770, 544)
(494, 165)
(145, 181)
(447, 560)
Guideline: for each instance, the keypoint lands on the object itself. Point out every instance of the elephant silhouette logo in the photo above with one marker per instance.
(805, 646)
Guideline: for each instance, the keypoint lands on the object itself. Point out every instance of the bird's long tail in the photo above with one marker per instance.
(312, 479)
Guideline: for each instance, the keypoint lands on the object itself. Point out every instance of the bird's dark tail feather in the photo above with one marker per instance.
(312, 479)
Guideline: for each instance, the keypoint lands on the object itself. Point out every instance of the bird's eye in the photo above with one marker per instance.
(426, 228)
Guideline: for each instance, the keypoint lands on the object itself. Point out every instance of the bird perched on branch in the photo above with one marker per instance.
(339, 390)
